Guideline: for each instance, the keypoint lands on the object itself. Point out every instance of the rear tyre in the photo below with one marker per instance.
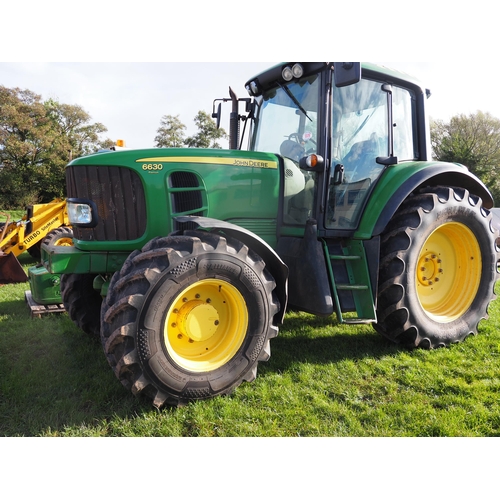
(438, 269)
(81, 301)
(188, 318)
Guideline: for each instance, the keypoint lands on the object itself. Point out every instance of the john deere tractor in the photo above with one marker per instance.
(185, 260)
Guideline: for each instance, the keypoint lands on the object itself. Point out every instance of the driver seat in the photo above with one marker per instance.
(291, 149)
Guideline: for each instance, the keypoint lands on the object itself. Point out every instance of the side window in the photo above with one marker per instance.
(403, 109)
(360, 135)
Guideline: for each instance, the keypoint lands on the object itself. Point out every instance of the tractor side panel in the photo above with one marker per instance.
(138, 193)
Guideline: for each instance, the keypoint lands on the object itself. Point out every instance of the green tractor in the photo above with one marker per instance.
(185, 260)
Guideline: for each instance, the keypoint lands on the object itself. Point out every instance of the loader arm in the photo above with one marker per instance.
(27, 233)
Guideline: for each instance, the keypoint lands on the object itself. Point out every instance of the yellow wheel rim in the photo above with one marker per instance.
(206, 325)
(63, 242)
(448, 272)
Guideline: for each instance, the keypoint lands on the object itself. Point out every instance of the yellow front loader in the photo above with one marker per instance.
(27, 234)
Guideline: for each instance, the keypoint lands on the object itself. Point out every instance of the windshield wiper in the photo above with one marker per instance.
(294, 99)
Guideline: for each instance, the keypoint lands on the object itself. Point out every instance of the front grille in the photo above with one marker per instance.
(119, 196)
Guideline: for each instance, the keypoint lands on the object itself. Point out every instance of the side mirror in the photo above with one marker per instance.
(346, 73)
(217, 114)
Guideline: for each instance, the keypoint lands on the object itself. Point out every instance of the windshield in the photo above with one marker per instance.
(287, 119)
(286, 123)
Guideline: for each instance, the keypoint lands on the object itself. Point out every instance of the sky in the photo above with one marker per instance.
(129, 98)
(128, 65)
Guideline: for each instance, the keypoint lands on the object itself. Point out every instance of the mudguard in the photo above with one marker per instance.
(273, 262)
(386, 199)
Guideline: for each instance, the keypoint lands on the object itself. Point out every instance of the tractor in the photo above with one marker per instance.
(184, 261)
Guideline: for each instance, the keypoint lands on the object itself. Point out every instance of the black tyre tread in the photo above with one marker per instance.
(127, 292)
(395, 320)
(57, 234)
(81, 301)
(51, 237)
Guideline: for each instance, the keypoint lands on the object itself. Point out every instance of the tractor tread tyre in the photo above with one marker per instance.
(59, 233)
(63, 233)
(135, 317)
(402, 317)
(82, 302)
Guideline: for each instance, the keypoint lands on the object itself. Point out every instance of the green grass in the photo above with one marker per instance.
(14, 215)
(323, 379)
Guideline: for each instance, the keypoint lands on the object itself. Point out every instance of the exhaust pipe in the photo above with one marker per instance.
(234, 122)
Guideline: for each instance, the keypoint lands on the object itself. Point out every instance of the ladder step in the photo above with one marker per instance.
(351, 265)
(359, 321)
(352, 287)
(344, 257)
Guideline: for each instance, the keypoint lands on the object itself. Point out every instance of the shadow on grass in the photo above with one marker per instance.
(14, 309)
(322, 341)
(54, 377)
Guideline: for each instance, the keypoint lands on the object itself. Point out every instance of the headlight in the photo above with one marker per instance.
(296, 71)
(253, 88)
(81, 213)
(287, 74)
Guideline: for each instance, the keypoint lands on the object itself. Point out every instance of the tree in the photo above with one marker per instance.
(208, 133)
(473, 141)
(72, 123)
(170, 134)
(36, 141)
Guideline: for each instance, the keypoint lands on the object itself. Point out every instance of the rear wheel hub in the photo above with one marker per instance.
(449, 272)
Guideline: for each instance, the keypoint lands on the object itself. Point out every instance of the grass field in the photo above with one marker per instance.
(323, 379)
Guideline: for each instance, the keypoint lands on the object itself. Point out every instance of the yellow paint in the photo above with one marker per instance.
(448, 272)
(235, 162)
(206, 325)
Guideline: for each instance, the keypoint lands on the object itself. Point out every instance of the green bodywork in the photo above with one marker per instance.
(240, 187)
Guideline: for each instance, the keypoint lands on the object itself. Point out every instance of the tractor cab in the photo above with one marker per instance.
(337, 132)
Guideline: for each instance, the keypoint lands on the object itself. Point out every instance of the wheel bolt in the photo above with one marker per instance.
(422, 269)
(179, 336)
(197, 296)
(185, 299)
(209, 300)
(174, 325)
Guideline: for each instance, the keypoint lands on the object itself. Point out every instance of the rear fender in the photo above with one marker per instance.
(273, 262)
(388, 196)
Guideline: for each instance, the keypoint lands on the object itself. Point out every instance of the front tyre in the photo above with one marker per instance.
(82, 301)
(438, 269)
(189, 317)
